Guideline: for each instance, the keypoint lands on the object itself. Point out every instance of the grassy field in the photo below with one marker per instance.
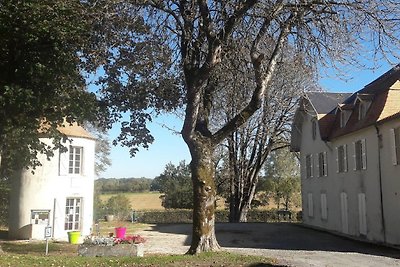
(140, 201)
(148, 200)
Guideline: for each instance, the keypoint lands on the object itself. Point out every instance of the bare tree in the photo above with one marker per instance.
(250, 145)
(198, 33)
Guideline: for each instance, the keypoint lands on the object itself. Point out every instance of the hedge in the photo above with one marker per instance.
(186, 216)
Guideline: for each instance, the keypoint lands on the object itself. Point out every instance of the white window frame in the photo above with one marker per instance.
(324, 207)
(310, 205)
(73, 214)
(395, 145)
(341, 162)
(360, 155)
(309, 166)
(322, 164)
(75, 160)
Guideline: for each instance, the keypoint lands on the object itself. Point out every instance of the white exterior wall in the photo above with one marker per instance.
(48, 188)
(351, 182)
(391, 184)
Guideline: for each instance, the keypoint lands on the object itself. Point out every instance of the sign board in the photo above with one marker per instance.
(47, 231)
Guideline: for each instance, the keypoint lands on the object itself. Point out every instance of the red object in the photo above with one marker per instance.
(120, 232)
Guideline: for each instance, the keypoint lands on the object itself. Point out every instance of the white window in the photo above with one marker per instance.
(310, 205)
(73, 214)
(341, 158)
(395, 145)
(322, 164)
(75, 160)
(360, 156)
(324, 207)
(309, 166)
(362, 214)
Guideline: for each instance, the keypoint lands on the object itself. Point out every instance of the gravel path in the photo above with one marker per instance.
(290, 244)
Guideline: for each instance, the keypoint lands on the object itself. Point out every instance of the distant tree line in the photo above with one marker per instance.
(122, 185)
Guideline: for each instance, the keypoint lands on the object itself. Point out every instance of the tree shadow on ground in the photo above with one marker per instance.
(281, 236)
(3, 234)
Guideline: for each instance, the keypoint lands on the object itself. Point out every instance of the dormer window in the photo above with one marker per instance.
(344, 111)
(344, 117)
(364, 102)
(362, 110)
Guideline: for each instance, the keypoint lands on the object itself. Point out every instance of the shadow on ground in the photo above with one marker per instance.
(281, 236)
(3, 234)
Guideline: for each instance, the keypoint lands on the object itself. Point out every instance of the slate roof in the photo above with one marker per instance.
(324, 102)
(383, 94)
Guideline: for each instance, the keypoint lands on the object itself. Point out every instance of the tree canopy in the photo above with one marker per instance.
(154, 55)
(189, 40)
(176, 186)
(40, 75)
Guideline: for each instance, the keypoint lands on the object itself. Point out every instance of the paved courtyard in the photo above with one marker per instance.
(290, 244)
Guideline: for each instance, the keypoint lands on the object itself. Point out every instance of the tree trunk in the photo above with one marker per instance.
(204, 193)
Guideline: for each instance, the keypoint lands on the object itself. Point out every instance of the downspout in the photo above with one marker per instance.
(54, 216)
(379, 138)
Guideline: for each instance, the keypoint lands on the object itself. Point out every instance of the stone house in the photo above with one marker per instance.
(59, 193)
(349, 148)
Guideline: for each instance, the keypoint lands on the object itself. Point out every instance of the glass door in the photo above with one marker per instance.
(73, 214)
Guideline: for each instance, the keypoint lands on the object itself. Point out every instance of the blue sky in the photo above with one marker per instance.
(169, 147)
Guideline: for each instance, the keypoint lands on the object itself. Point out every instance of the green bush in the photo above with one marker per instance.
(119, 206)
(166, 216)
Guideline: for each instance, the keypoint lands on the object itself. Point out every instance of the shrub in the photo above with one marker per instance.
(186, 216)
(119, 206)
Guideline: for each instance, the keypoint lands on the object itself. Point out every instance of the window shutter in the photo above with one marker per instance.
(393, 146)
(311, 166)
(364, 154)
(337, 159)
(324, 214)
(362, 215)
(345, 158)
(310, 205)
(354, 156)
(63, 163)
(325, 164)
(83, 171)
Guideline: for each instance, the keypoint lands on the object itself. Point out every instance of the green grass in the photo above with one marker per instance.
(64, 254)
(109, 227)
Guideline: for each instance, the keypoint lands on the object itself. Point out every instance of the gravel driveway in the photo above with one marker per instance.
(290, 244)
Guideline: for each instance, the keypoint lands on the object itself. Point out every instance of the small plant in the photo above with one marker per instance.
(112, 241)
(133, 239)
